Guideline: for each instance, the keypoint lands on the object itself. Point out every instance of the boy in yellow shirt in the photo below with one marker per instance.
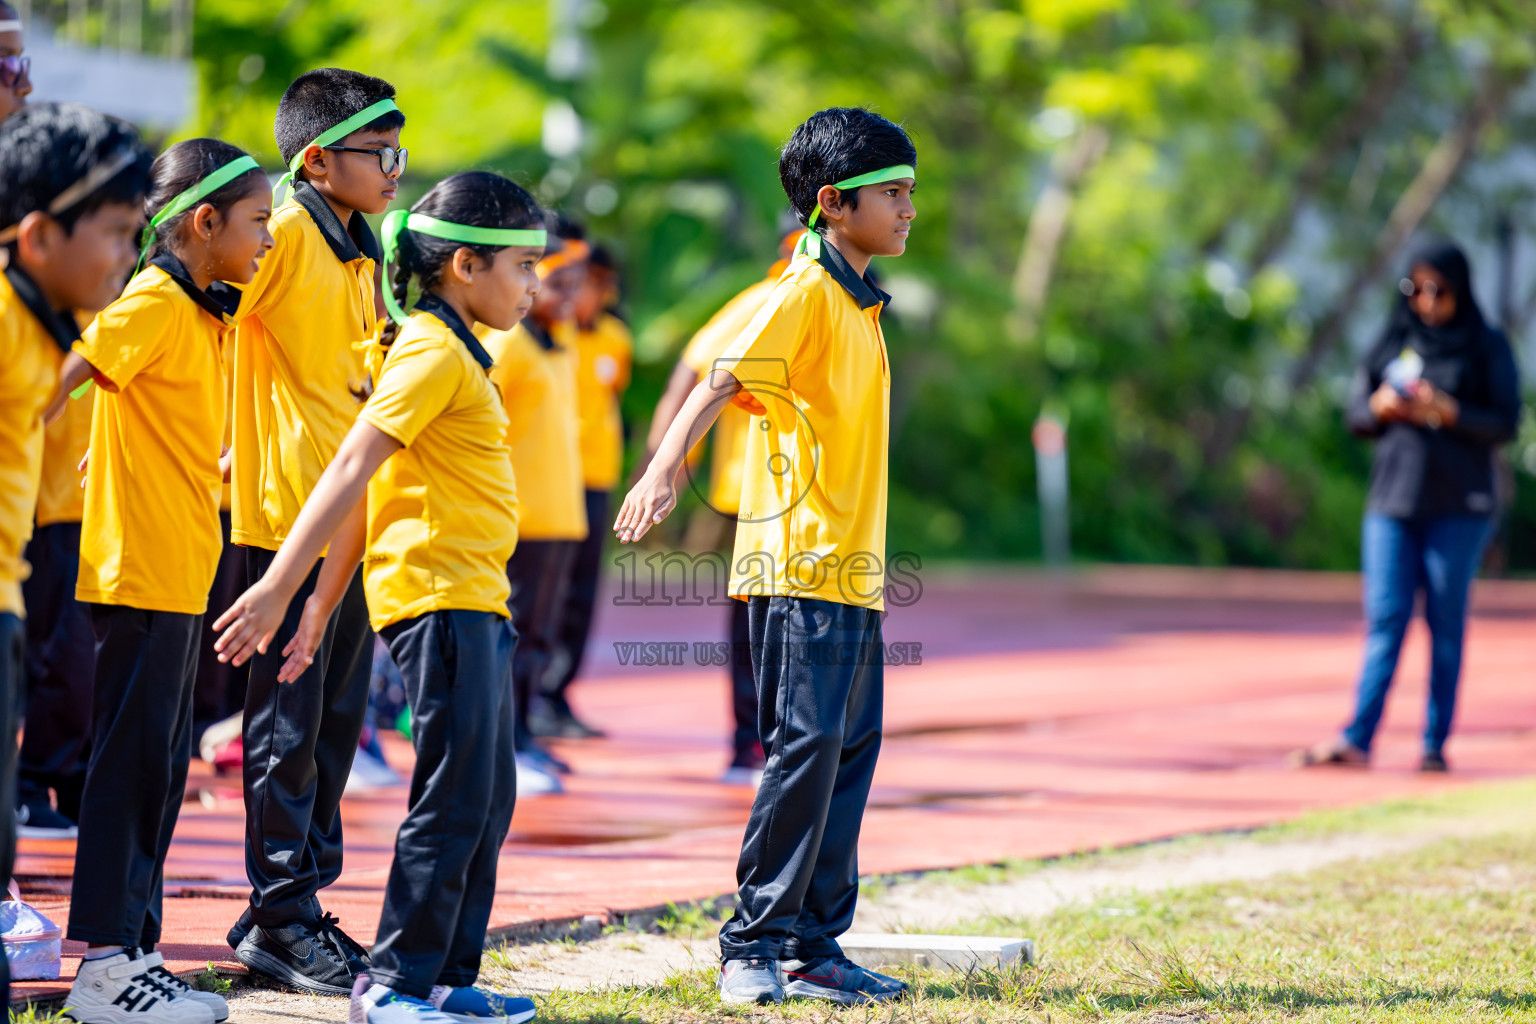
(810, 553)
(423, 482)
(604, 354)
(536, 372)
(154, 475)
(724, 492)
(71, 186)
(299, 380)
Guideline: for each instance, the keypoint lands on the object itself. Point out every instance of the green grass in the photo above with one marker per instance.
(1441, 934)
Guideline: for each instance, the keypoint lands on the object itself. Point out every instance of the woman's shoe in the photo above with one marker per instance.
(1335, 751)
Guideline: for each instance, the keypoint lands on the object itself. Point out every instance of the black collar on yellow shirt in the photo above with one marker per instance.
(220, 300)
(350, 243)
(540, 334)
(863, 289)
(430, 303)
(61, 327)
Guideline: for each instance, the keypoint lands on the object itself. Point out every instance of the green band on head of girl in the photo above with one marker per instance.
(362, 119)
(400, 221)
(194, 195)
(810, 242)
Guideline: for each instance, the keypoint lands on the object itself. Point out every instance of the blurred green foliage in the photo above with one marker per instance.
(1252, 152)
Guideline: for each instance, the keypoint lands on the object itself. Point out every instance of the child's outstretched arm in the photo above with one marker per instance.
(655, 494)
(335, 576)
(75, 372)
(249, 623)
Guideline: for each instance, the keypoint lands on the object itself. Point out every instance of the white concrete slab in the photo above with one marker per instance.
(875, 950)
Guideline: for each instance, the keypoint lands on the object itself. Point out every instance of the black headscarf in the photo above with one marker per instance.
(1464, 329)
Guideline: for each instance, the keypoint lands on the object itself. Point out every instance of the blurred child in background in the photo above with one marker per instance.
(604, 355)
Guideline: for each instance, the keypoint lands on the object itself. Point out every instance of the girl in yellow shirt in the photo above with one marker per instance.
(423, 482)
(150, 541)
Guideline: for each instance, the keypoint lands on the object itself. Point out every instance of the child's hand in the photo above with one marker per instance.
(248, 625)
(225, 460)
(301, 649)
(85, 464)
(648, 504)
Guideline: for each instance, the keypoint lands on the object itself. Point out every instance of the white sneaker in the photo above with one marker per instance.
(533, 779)
(369, 773)
(742, 775)
(118, 989)
(215, 1002)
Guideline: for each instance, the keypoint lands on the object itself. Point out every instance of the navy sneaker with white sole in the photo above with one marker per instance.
(476, 1005)
(839, 980)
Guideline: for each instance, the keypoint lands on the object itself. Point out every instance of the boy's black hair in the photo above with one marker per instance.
(183, 166)
(45, 148)
(602, 257)
(319, 100)
(476, 198)
(834, 144)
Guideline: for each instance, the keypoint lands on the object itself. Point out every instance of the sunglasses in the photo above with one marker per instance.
(14, 69)
(389, 158)
(1428, 289)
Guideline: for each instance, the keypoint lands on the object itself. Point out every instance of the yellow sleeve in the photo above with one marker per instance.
(717, 334)
(126, 337)
(418, 381)
(775, 340)
(522, 386)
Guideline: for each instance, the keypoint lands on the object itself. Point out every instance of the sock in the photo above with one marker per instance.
(101, 952)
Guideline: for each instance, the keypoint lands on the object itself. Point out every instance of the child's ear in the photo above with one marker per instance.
(830, 198)
(314, 162)
(35, 235)
(463, 265)
(204, 218)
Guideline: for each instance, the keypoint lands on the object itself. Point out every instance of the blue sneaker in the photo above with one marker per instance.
(839, 980)
(380, 1004)
(476, 1005)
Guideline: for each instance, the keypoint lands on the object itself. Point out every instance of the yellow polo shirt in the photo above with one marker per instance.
(60, 498)
(603, 358)
(538, 385)
(299, 366)
(729, 436)
(813, 496)
(442, 511)
(29, 375)
(150, 538)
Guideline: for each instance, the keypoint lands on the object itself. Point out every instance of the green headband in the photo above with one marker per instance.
(810, 242)
(194, 195)
(361, 119)
(400, 221)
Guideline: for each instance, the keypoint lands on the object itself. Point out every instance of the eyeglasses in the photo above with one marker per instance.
(389, 158)
(14, 69)
(1428, 289)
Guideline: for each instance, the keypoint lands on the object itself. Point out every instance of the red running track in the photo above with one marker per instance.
(1046, 717)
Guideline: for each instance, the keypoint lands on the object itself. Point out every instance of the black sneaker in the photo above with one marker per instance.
(240, 929)
(1433, 761)
(329, 929)
(551, 716)
(297, 955)
(37, 820)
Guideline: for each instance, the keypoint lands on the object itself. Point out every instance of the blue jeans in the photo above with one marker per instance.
(1399, 557)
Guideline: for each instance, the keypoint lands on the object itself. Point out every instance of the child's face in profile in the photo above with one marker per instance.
(880, 223)
(502, 292)
(557, 295)
(238, 238)
(85, 268)
(592, 295)
(15, 83)
(357, 180)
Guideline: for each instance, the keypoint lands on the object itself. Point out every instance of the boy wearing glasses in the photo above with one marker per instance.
(298, 382)
(15, 70)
